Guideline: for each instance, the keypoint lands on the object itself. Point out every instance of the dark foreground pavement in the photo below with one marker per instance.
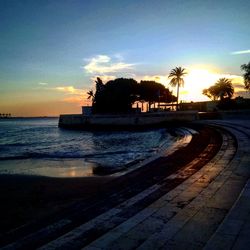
(206, 208)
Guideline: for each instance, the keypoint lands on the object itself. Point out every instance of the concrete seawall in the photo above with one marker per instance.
(126, 120)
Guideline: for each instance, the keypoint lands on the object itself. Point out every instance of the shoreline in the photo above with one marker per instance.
(31, 198)
(174, 138)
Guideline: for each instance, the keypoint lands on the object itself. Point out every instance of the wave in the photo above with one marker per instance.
(19, 144)
(71, 156)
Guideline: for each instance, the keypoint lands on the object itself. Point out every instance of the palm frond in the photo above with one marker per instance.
(173, 82)
(90, 94)
(176, 76)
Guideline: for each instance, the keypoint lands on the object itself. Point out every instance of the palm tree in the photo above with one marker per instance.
(94, 95)
(246, 68)
(91, 94)
(222, 88)
(176, 76)
(225, 88)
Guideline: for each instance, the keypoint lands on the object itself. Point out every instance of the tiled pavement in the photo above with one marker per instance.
(194, 215)
(234, 232)
(208, 210)
(197, 213)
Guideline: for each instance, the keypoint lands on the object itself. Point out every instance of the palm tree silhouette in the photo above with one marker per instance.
(91, 94)
(221, 89)
(176, 76)
(225, 88)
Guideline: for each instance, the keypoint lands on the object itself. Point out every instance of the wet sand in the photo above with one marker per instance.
(28, 198)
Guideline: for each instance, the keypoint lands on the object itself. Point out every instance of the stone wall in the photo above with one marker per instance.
(133, 120)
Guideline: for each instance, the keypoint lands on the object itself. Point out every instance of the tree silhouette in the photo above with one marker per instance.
(211, 93)
(152, 92)
(176, 76)
(118, 96)
(223, 88)
(98, 96)
(246, 75)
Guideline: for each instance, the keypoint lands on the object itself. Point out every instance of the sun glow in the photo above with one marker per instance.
(198, 79)
(195, 81)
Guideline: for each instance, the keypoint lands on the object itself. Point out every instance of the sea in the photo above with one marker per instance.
(36, 146)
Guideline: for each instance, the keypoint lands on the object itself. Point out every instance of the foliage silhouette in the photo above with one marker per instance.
(118, 96)
(246, 75)
(151, 92)
(91, 94)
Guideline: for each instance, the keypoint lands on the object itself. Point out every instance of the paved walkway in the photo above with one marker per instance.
(234, 232)
(208, 210)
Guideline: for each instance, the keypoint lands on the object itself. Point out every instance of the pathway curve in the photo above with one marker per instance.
(234, 232)
(185, 217)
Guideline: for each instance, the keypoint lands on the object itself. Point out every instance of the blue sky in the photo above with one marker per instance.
(50, 51)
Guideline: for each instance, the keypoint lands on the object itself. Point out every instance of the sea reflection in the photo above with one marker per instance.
(39, 147)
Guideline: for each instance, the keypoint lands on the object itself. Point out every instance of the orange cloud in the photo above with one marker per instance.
(163, 79)
(74, 95)
(69, 90)
(79, 100)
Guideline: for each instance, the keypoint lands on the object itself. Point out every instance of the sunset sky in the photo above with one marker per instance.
(50, 51)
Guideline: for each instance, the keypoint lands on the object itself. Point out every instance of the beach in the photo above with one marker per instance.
(32, 198)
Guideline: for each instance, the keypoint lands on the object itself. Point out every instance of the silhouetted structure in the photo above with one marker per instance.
(239, 103)
(5, 115)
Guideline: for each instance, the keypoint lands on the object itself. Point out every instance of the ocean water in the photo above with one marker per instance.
(36, 146)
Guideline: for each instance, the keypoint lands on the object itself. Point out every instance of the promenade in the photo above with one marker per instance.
(208, 210)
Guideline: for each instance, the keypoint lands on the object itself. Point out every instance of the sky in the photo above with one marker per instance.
(51, 51)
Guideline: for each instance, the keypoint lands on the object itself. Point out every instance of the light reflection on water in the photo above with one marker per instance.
(38, 146)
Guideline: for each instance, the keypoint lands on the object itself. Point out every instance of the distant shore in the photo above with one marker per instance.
(28, 117)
